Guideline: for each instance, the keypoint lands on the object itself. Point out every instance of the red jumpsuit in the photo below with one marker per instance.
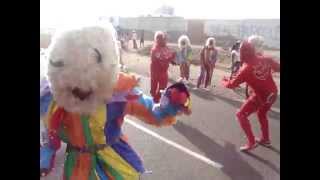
(257, 73)
(161, 57)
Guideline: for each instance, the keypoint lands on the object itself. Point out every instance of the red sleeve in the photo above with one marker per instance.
(240, 78)
(153, 57)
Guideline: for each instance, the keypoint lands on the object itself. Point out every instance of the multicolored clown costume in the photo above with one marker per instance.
(184, 57)
(257, 73)
(83, 102)
(208, 59)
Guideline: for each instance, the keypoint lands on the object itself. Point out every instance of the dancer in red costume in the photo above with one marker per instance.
(257, 73)
(161, 57)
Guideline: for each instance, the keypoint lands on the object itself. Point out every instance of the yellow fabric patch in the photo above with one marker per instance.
(119, 164)
(52, 107)
(96, 123)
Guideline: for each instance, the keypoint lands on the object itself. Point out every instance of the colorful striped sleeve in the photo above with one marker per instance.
(150, 112)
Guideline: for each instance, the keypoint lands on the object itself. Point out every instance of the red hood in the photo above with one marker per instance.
(160, 40)
(247, 52)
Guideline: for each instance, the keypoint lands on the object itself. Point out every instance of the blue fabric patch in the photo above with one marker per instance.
(100, 171)
(162, 112)
(45, 96)
(157, 112)
(146, 101)
(45, 101)
(46, 155)
(127, 153)
(112, 130)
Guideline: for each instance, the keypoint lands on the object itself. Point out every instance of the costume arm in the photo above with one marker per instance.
(215, 56)
(144, 108)
(172, 57)
(239, 78)
(153, 55)
(50, 143)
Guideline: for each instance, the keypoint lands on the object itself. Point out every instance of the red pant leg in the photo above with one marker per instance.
(154, 86)
(207, 75)
(160, 83)
(246, 109)
(263, 119)
(163, 82)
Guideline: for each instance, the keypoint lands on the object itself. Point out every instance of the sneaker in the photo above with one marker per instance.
(263, 142)
(248, 147)
(195, 88)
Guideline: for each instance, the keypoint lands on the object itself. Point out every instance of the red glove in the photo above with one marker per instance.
(225, 81)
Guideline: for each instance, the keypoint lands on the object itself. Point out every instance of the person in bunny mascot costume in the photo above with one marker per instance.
(84, 99)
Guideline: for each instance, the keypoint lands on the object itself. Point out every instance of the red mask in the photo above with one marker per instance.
(161, 40)
(247, 52)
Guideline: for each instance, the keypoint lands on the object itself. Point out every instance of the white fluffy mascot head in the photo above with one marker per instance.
(184, 42)
(257, 42)
(83, 67)
(211, 42)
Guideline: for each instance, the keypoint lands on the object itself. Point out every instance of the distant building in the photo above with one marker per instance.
(198, 29)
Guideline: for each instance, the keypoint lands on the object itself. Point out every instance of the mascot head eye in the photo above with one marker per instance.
(57, 64)
(99, 58)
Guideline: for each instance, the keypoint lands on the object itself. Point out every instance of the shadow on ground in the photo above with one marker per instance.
(273, 114)
(234, 166)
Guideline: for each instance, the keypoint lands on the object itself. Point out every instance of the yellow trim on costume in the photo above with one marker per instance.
(96, 123)
(119, 164)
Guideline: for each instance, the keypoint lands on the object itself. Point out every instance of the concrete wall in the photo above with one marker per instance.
(269, 29)
(198, 30)
(174, 26)
(154, 23)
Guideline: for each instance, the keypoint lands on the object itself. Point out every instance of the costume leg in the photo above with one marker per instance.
(207, 75)
(181, 71)
(246, 109)
(187, 71)
(163, 82)
(263, 119)
(154, 86)
(201, 77)
(211, 73)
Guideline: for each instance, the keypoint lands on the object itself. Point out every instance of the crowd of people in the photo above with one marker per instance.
(249, 65)
(84, 103)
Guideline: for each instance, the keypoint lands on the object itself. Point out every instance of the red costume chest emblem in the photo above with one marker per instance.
(261, 70)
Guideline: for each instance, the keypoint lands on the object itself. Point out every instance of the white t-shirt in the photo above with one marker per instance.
(236, 55)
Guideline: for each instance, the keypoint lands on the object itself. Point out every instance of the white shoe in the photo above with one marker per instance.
(195, 88)
(207, 89)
